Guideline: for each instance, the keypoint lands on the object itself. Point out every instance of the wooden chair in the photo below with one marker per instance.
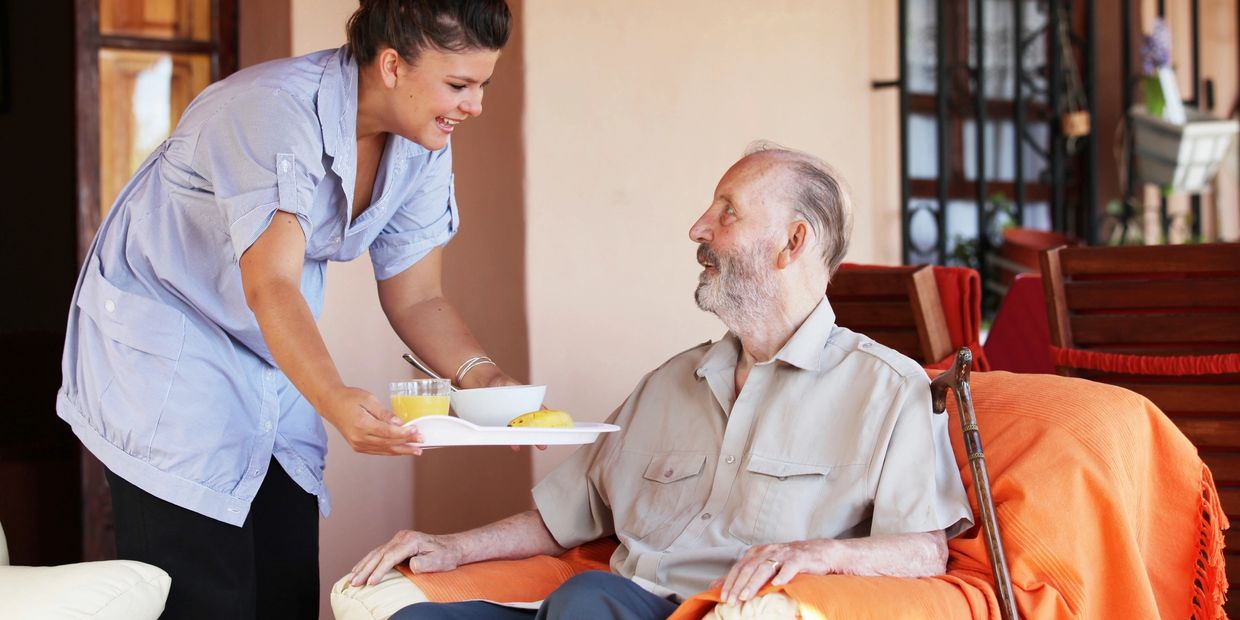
(1162, 321)
(898, 307)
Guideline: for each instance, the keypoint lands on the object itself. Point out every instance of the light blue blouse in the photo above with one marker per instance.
(167, 378)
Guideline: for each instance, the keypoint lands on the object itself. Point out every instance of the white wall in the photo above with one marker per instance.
(634, 109)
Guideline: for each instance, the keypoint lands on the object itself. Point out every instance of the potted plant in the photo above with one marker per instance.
(1177, 149)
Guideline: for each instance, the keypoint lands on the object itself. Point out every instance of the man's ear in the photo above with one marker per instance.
(798, 238)
(388, 61)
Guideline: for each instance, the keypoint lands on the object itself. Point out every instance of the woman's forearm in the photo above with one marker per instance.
(435, 330)
(293, 338)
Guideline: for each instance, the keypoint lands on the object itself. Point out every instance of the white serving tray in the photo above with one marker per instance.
(442, 430)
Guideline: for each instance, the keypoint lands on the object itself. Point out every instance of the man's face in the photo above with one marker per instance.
(738, 238)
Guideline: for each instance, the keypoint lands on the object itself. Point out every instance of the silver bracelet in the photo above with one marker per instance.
(469, 365)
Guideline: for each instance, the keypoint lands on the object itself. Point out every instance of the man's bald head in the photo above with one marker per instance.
(814, 191)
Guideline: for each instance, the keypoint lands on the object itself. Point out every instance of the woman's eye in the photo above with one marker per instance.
(457, 86)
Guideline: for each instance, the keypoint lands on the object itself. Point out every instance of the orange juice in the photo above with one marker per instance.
(410, 407)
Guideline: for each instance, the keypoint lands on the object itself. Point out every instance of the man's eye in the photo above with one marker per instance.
(457, 86)
(729, 211)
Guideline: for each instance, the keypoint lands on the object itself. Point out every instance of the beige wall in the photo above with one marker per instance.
(633, 111)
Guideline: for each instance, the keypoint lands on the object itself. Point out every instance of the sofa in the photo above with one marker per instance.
(1104, 507)
(108, 590)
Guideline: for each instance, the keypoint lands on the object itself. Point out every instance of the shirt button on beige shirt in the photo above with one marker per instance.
(832, 438)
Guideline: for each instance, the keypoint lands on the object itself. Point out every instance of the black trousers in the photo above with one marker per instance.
(268, 568)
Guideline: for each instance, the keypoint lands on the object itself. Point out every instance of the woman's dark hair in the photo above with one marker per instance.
(410, 26)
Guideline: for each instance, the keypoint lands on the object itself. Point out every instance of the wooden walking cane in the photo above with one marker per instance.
(957, 379)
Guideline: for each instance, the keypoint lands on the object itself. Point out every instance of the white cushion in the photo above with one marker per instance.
(4, 549)
(378, 602)
(115, 589)
(773, 606)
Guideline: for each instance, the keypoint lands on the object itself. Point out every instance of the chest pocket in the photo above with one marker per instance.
(786, 501)
(668, 487)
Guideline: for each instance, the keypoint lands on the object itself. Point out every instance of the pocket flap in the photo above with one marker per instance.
(141, 323)
(673, 467)
(782, 469)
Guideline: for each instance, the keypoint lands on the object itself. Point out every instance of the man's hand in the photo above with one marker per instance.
(367, 425)
(426, 554)
(898, 555)
(777, 563)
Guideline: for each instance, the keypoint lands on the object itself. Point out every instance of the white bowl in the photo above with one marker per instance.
(498, 405)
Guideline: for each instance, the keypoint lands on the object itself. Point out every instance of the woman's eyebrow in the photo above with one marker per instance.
(468, 80)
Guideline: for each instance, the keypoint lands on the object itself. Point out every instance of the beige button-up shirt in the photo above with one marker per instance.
(832, 438)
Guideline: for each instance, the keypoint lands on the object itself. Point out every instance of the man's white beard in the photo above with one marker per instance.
(743, 291)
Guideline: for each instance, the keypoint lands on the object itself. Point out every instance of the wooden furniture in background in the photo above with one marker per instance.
(1156, 302)
(139, 64)
(897, 307)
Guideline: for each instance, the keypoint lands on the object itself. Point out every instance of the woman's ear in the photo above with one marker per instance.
(798, 237)
(388, 62)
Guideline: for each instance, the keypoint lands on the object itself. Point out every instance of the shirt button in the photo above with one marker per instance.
(285, 166)
(109, 305)
(706, 516)
(865, 345)
(668, 474)
(254, 473)
(731, 459)
(267, 426)
(336, 239)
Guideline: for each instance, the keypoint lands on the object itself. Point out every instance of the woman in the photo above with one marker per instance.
(193, 368)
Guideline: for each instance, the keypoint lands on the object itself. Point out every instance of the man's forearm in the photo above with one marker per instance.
(895, 555)
(517, 537)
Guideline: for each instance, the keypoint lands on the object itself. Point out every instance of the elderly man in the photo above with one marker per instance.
(790, 446)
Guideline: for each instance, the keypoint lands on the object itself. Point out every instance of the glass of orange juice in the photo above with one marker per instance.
(422, 397)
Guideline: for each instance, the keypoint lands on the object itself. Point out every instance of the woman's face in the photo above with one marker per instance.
(443, 89)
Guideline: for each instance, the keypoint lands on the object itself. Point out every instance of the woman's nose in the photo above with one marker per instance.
(472, 106)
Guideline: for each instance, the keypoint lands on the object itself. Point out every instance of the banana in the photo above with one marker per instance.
(544, 418)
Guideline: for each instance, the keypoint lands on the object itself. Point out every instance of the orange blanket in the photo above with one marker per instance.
(1106, 512)
(1105, 509)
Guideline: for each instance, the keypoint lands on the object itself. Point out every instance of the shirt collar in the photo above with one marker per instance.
(337, 103)
(805, 349)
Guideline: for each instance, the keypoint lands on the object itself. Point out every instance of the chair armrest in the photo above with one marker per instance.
(115, 589)
(378, 602)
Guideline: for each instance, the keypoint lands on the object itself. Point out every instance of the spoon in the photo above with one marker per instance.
(420, 365)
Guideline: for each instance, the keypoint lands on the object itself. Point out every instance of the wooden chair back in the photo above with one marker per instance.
(897, 307)
(1160, 301)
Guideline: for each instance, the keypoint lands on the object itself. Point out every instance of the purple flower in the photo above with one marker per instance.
(1156, 48)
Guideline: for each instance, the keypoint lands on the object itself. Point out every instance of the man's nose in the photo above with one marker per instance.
(700, 231)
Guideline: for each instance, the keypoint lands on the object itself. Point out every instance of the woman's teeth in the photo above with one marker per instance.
(446, 123)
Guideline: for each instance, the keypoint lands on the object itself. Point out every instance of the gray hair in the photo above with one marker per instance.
(819, 196)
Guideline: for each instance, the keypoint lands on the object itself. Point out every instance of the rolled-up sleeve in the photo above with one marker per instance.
(569, 499)
(428, 220)
(919, 487)
(260, 153)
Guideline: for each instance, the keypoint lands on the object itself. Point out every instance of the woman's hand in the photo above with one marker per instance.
(368, 425)
(426, 554)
